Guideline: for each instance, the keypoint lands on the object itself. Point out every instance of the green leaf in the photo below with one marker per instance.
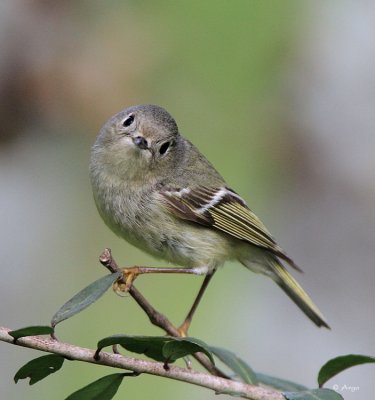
(102, 389)
(84, 298)
(150, 346)
(182, 347)
(159, 348)
(39, 368)
(31, 331)
(236, 364)
(339, 364)
(315, 394)
(279, 384)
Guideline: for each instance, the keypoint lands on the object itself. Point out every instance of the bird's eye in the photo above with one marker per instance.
(141, 142)
(128, 121)
(164, 147)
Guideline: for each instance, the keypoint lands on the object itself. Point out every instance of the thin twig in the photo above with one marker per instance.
(158, 319)
(71, 352)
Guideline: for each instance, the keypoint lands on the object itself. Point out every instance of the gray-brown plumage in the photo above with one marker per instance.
(157, 191)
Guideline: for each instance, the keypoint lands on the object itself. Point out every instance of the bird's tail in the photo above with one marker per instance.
(292, 288)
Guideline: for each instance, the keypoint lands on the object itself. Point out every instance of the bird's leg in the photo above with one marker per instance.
(130, 274)
(184, 327)
(156, 318)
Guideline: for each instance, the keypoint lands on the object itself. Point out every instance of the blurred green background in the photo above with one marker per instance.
(278, 95)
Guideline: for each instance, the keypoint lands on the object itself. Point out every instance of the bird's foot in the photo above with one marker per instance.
(123, 284)
(183, 328)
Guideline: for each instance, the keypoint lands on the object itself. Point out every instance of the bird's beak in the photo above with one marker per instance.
(141, 142)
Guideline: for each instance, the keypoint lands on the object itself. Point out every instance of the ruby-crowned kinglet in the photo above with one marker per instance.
(156, 190)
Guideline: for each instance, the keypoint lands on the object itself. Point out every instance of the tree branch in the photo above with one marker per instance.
(72, 352)
(156, 318)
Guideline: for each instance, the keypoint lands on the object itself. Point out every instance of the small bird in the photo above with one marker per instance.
(154, 188)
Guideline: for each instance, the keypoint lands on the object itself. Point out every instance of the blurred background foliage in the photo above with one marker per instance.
(278, 95)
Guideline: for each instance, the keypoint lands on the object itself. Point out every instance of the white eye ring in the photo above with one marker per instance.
(128, 121)
(165, 147)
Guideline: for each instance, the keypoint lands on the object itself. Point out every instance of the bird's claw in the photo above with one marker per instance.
(123, 284)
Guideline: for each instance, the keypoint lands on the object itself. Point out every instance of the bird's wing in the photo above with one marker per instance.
(225, 210)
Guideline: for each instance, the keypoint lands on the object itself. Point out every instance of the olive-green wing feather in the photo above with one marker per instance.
(223, 209)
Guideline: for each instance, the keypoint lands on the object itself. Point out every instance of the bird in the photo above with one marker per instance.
(156, 190)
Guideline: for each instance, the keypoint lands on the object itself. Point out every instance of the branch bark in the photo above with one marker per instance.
(72, 352)
(156, 318)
